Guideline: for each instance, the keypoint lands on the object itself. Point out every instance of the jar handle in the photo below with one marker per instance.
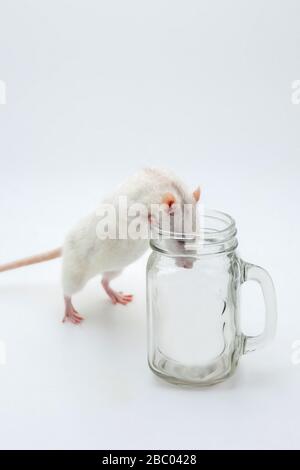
(260, 275)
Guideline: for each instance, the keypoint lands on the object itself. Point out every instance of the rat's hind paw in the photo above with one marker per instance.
(119, 297)
(71, 314)
(123, 299)
(73, 318)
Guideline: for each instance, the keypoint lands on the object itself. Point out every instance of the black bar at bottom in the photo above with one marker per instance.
(131, 458)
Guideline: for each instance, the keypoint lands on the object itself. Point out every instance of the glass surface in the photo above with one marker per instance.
(194, 334)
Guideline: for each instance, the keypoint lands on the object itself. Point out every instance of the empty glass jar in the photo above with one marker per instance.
(193, 285)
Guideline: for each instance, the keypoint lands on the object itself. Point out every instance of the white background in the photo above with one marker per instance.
(96, 90)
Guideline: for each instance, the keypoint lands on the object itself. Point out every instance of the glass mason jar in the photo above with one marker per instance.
(193, 286)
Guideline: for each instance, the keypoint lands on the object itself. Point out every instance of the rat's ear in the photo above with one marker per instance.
(168, 199)
(197, 194)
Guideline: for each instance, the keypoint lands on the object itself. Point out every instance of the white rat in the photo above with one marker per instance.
(85, 255)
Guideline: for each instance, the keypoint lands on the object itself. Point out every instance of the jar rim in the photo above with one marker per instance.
(212, 215)
(216, 233)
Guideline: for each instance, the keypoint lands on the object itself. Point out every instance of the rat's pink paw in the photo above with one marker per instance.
(116, 297)
(120, 298)
(72, 316)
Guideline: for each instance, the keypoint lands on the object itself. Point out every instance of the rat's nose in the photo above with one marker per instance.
(188, 264)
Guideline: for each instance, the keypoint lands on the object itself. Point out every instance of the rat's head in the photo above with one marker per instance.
(178, 212)
(176, 219)
(169, 198)
(183, 226)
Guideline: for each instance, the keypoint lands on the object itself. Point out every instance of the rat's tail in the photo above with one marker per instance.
(32, 260)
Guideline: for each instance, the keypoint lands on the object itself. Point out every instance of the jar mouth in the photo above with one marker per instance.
(215, 232)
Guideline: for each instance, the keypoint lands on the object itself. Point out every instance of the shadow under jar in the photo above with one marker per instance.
(193, 284)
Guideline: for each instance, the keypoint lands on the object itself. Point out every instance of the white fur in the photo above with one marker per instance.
(85, 255)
